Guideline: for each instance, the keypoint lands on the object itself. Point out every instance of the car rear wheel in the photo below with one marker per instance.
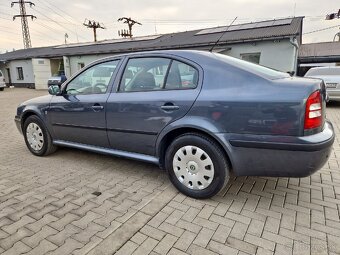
(2, 89)
(37, 138)
(196, 165)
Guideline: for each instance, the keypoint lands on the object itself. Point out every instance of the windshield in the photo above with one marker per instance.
(323, 71)
(251, 67)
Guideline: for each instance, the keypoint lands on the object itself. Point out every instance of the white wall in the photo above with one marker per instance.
(26, 68)
(279, 54)
(73, 62)
(42, 72)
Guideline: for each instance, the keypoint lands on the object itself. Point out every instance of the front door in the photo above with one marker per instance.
(9, 77)
(78, 115)
(153, 92)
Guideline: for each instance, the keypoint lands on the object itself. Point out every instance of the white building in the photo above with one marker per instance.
(272, 43)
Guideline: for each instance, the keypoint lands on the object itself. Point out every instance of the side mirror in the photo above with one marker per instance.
(54, 90)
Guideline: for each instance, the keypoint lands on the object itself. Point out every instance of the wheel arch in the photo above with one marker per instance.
(167, 137)
(27, 114)
(32, 112)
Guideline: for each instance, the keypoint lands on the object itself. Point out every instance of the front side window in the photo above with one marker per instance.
(20, 73)
(144, 74)
(94, 80)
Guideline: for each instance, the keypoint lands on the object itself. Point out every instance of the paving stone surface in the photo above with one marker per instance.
(47, 205)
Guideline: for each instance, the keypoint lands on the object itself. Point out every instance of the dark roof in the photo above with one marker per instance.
(265, 30)
(320, 50)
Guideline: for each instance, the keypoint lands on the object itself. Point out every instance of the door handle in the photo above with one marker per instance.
(169, 107)
(97, 107)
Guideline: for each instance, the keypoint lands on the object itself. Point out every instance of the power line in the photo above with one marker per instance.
(319, 30)
(63, 11)
(53, 9)
(57, 23)
(47, 36)
(15, 33)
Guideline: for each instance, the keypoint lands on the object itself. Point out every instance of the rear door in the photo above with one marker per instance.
(78, 115)
(153, 91)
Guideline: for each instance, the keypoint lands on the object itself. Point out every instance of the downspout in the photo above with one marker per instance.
(67, 66)
(294, 42)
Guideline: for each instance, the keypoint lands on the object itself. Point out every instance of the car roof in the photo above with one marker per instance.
(200, 57)
(190, 54)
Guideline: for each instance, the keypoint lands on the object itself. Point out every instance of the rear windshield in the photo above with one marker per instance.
(323, 71)
(253, 68)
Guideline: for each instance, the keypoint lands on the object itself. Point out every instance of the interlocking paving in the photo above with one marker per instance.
(47, 205)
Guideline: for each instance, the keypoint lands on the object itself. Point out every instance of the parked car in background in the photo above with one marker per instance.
(199, 115)
(57, 79)
(331, 77)
(2, 81)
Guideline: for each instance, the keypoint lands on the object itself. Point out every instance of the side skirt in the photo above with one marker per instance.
(101, 150)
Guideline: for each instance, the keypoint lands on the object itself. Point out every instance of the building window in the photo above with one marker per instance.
(80, 65)
(251, 57)
(20, 73)
(41, 62)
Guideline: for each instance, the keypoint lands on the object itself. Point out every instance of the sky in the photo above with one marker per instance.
(57, 17)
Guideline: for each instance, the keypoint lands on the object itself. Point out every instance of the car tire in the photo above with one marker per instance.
(2, 89)
(196, 165)
(37, 138)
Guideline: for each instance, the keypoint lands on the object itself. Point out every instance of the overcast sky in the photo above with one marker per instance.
(57, 17)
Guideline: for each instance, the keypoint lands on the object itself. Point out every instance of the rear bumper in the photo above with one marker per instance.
(2, 85)
(263, 155)
(17, 121)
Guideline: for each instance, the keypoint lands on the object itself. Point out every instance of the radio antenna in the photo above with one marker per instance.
(222, 35)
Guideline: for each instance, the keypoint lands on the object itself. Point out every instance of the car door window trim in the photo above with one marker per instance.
(110, 84)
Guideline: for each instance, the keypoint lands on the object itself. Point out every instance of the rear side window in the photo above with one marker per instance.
(144, 74)
(181, 76)
(0, 74)
(152, 74)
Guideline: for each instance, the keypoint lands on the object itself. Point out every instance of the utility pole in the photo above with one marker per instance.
(94, 25)
(65, 37)
(24, 23)
(131, 23)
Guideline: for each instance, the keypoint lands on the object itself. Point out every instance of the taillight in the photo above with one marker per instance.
(313, 116)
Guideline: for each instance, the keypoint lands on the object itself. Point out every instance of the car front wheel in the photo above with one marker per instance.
(196, 165)
(37, 138)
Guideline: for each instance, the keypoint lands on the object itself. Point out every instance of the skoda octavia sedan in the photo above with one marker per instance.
(199, 115)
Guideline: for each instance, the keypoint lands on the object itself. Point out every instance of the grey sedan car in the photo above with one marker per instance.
(199, 115)
(331, 77)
